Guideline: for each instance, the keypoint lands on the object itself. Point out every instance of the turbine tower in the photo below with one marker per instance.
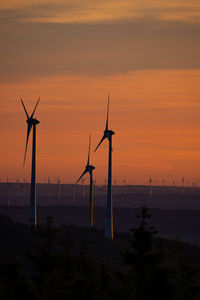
(163, 182)
(124, 182)
(83, 189)
(150, 185)
(109, 209)
(49, 186)
(74, 193)
(59, 191)
(183, 187)
(22, 192)
(89, 169)
(31, 122)
(8, 192)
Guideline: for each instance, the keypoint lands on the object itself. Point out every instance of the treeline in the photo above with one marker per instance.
(54, 265)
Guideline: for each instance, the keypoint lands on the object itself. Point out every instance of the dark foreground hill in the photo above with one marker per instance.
(73, 262)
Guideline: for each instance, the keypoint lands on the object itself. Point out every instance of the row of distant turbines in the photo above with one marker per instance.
(173, 184)
(20, 190)
(32, 123)
(163, 185)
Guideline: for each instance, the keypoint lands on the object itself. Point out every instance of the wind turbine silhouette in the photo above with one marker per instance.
(89, 169)
(150, 184)
(183, 187)
(109, 209)
(31, 122)
(59, 190)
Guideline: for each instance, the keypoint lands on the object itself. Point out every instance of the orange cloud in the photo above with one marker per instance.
(68, 11)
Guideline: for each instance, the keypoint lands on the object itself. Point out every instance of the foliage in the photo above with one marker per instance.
(13, 284)
(154, 272)
(55, 266)
(62, 275)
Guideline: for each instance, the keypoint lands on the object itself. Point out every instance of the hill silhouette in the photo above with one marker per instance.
(72, 262)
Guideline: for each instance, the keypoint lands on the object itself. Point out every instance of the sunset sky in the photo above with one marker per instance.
(145, 53)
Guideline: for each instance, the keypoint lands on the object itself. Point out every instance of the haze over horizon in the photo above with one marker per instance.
(71, 54)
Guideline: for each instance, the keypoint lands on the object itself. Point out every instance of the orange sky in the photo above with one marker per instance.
(72, 55)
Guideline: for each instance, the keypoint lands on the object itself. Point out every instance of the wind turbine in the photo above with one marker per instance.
(109, 209)
(49, 186)
(83, 189)
(183, 187)
(89, 169)
(59, 191)
(150, 184)
(73, 193)
(8, 192)
(124, 182)
(163, 182)
(31, 122)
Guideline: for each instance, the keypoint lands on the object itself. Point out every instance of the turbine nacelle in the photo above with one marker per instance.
(32, 121)
(108, 133)
(89, 168)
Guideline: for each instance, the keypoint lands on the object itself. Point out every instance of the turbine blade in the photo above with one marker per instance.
(103, 138)
(29, 126)
(81, 176)
(24, 109)
(107, 111)
(35, 108)
(88, 162)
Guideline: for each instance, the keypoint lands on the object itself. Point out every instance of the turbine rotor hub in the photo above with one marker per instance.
(108, 133)
(32, 121)
(90, 168)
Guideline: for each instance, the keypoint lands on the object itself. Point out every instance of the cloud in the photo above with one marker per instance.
(95, 38)
(78, 11)
(39, 50)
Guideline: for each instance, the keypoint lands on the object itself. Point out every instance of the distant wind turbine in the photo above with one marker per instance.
(174, 185)
(183, 187)
(89, 169)
(8, 192)
(59, 191)
(83, 189)
(124, 182)
(109, 209)
(115, 188)
(22, 192)
(193, 187)
(31, 122)
(150, 185)
(94, 188)
(18, 187)
(49, 186)
(73, 193)
(163, 182)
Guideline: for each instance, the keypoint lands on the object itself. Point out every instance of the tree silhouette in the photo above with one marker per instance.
(147, 276)
(59, 267)
(13, 285)
(62, 274)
